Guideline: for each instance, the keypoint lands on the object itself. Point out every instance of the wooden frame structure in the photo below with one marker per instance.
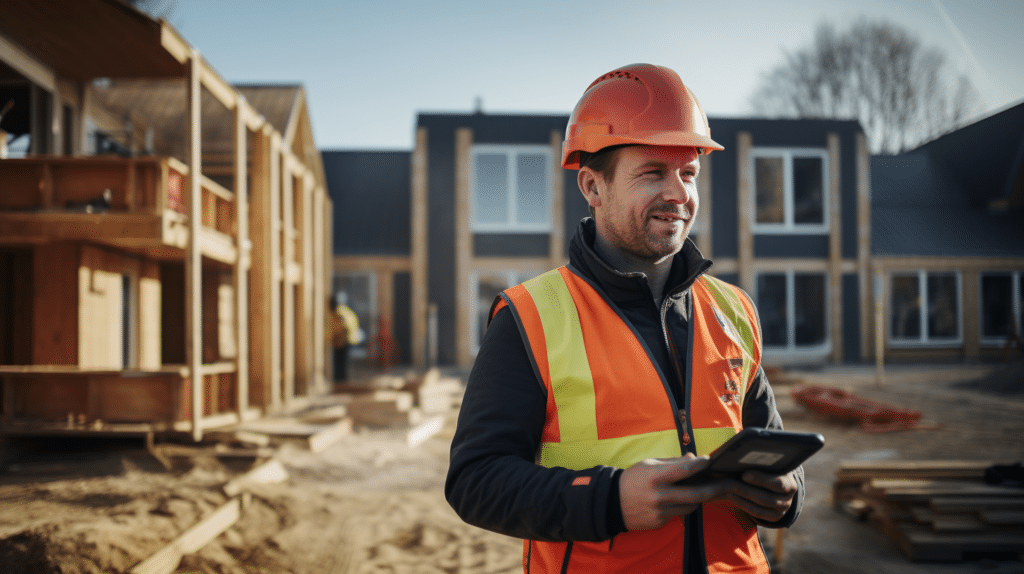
(180, 286)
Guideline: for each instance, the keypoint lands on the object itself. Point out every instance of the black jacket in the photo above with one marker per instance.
(493, 481)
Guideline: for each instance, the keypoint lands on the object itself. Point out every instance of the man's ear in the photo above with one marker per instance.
(590, 184)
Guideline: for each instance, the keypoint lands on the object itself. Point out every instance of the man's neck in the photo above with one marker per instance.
(657, 272)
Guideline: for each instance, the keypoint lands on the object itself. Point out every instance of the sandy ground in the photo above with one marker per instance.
(370, 503)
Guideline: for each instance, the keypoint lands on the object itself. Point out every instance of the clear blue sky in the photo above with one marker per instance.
(369, 67)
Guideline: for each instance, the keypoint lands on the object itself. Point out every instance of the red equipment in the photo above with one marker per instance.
(843, 405)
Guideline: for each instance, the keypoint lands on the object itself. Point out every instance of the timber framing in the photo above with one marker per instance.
(181, 285)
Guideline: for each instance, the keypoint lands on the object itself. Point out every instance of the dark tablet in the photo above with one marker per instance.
(771, 451)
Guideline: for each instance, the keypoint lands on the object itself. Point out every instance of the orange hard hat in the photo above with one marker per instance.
(639, 104)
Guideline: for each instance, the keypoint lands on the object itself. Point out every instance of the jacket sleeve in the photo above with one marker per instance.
(493, 481)
(759, 411)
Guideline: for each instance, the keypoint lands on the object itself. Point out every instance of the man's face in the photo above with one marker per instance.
(648, 207)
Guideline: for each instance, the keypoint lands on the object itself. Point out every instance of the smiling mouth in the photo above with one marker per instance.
(668, 218)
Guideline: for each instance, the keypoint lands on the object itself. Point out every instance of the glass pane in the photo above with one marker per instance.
(532, 188)
(996, 305)
(491, 188)
(488, 287)
(943, 314)
(906, 307)
(808, 192)
(770, 197)
(771, 305)
(809, 314)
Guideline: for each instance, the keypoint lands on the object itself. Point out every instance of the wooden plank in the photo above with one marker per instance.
(978, 503)
(325, 438)
(270, 472)
(556, 239)
(424, 430)
(835, 250)
(745, 211)
(167, 559)
(240, 270)
(1003, 517)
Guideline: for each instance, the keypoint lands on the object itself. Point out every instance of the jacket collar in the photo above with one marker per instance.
(625, 288)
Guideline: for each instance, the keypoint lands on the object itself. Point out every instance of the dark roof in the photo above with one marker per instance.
(936, 200)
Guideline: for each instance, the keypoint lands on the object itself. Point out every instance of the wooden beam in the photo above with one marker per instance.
(193, 260)
(240, 271)
(864, 245)
(418, 249)
(288, 298)
(25, 64)
(380, 264)
(167, 559)
(463, 245)
(216, 85)
(276, 269)
(556, 247)
(706, 196)
(835, 249)
(745, 212)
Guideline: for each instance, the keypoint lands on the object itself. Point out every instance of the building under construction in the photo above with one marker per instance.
(164, 253)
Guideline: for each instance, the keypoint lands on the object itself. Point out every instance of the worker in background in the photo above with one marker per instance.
(345, 334)
(600, 384)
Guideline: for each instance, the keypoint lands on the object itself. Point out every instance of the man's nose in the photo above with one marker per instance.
(676, 190)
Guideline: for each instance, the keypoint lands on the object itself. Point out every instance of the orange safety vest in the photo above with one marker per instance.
(608, 405)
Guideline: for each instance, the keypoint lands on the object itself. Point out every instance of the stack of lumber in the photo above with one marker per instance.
(934, 510)
(435, 394)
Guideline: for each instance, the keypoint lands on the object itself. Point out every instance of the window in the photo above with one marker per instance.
(925, 308)
(790, 190)
(360, 291)
(785, 323)
(486, 285)
(1002, 306)
(510, 188)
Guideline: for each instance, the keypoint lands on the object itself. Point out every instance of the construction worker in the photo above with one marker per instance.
(601, 384)
(345, 334)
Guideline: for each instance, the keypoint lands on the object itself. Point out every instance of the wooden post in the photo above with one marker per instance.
(463, 245)
(705, 194)
(835, 249)
(288, 254)
(864, 242)
(193, 258)
(418, 250)
(276, 271)
(745, 212)
(319, 291)
(880, 296)
(242, 263)
(557, 238)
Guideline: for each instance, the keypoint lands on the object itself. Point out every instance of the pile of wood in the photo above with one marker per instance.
(397, 401)
(934, 510)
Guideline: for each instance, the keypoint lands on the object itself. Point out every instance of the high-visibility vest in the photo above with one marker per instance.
(608, 404)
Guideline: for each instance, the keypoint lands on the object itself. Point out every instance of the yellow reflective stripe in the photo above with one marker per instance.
(741, 331)
(618, 452)
(572, 381)
(729, 303)
(707, 440)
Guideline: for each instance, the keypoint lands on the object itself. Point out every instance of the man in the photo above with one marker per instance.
(345, 333)
(600, 385)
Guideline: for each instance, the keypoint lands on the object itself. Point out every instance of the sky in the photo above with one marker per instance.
(370, 67)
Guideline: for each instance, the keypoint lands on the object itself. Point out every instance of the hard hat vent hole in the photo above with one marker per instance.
(617, 74)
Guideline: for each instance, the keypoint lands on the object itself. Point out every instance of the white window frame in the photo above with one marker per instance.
(360, 351)
(922, 339)
(512, 277)
(793, 353)
(788, 226)
(512, 225)
(1016, 285)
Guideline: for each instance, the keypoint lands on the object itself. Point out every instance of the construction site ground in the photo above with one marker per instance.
(373, 502)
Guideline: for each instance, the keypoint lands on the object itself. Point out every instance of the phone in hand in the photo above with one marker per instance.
(771, 451)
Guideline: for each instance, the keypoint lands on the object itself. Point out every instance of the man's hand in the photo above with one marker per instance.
(766, 497)
(649, 497)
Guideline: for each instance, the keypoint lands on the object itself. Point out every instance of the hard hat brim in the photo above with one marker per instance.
(592, 143)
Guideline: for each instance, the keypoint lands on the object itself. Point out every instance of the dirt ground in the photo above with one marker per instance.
(370, 503)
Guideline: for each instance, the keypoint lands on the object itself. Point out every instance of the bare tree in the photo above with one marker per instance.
(876, 72)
